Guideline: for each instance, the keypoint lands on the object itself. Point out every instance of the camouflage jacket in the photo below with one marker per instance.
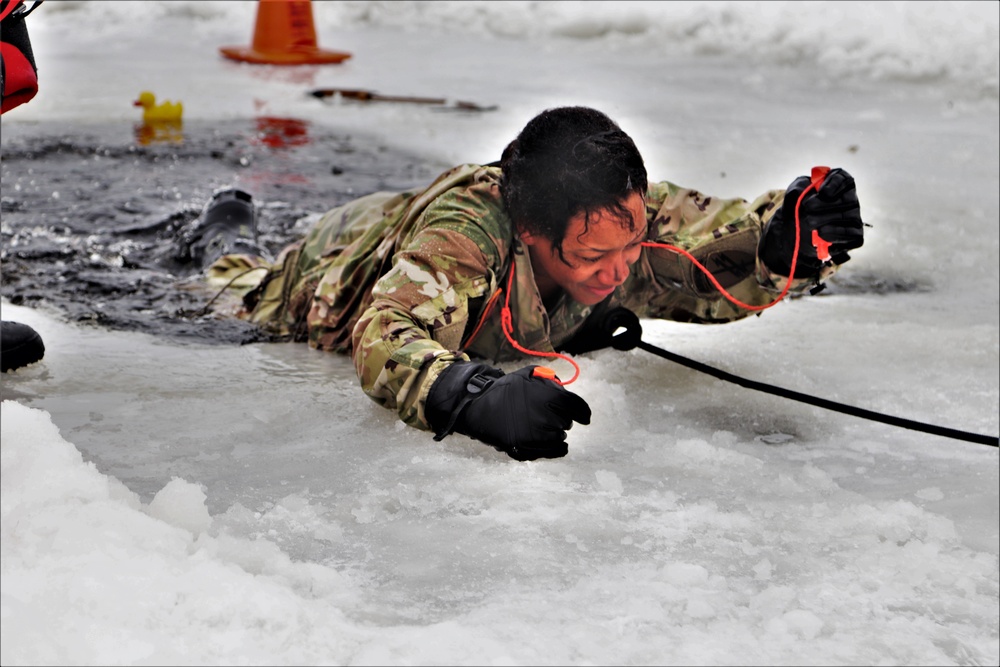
(405, 281)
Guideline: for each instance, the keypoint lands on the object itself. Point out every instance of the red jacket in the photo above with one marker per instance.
(18, 74)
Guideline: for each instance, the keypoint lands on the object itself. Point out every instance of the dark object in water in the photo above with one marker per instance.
(20, 345)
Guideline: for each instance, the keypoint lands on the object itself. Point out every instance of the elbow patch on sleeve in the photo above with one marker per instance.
(446, 315)
(731, 258)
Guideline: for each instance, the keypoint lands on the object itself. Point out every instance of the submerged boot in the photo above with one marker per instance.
(20, 345)
(227, 225)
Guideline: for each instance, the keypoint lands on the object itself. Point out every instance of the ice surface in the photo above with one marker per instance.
(204, 504)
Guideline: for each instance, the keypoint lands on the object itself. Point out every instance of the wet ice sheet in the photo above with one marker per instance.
(299, 506)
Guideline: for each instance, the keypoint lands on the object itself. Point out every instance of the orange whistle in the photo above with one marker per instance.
(822, 247)
(544, 372)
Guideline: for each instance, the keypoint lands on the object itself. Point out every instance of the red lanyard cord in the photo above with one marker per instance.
(16, 8)
(818, 174)
(9, 8)
(507, 323)
(482, 319)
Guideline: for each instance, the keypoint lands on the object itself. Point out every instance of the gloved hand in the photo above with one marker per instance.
(522, 414)
(830, 226)
(618, 328)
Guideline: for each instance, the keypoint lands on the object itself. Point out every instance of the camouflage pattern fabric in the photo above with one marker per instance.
(410, 282)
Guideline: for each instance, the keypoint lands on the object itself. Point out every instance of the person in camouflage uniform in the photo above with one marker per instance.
(411, 283)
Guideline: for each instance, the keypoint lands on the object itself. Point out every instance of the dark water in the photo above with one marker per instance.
(91, 214)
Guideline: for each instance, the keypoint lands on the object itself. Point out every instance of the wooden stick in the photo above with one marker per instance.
(372, 96)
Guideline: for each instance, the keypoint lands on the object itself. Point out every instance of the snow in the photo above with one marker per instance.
(185, 504)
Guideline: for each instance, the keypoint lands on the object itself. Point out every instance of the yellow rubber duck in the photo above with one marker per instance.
(153, 112)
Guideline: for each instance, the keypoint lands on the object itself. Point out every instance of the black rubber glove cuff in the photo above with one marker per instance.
(453, 390)
(524, 414)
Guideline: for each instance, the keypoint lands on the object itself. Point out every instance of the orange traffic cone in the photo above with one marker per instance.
(284, 35)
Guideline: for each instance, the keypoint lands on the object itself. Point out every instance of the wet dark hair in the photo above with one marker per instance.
(567, 160)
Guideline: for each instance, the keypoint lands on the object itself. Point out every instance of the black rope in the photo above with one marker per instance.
(620, 328)
(989, 440)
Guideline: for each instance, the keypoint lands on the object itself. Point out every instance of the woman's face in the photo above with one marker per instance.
(597, 256)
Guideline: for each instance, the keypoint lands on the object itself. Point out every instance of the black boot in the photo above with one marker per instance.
(20, 345)
(227, 225)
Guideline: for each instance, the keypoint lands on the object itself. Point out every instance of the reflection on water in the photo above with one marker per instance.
(269, 131)
(281, 132)
(159, 132)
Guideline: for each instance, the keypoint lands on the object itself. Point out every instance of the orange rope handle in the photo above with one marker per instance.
(818, 174)
(507, 324)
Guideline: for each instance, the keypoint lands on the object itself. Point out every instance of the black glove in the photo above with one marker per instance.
(831, 225)
(522, 414)
(618, 328)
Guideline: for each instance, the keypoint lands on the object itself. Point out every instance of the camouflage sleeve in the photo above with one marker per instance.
(722, 234)
(414, 327)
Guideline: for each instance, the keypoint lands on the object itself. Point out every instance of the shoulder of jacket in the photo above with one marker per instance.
(466, 199)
